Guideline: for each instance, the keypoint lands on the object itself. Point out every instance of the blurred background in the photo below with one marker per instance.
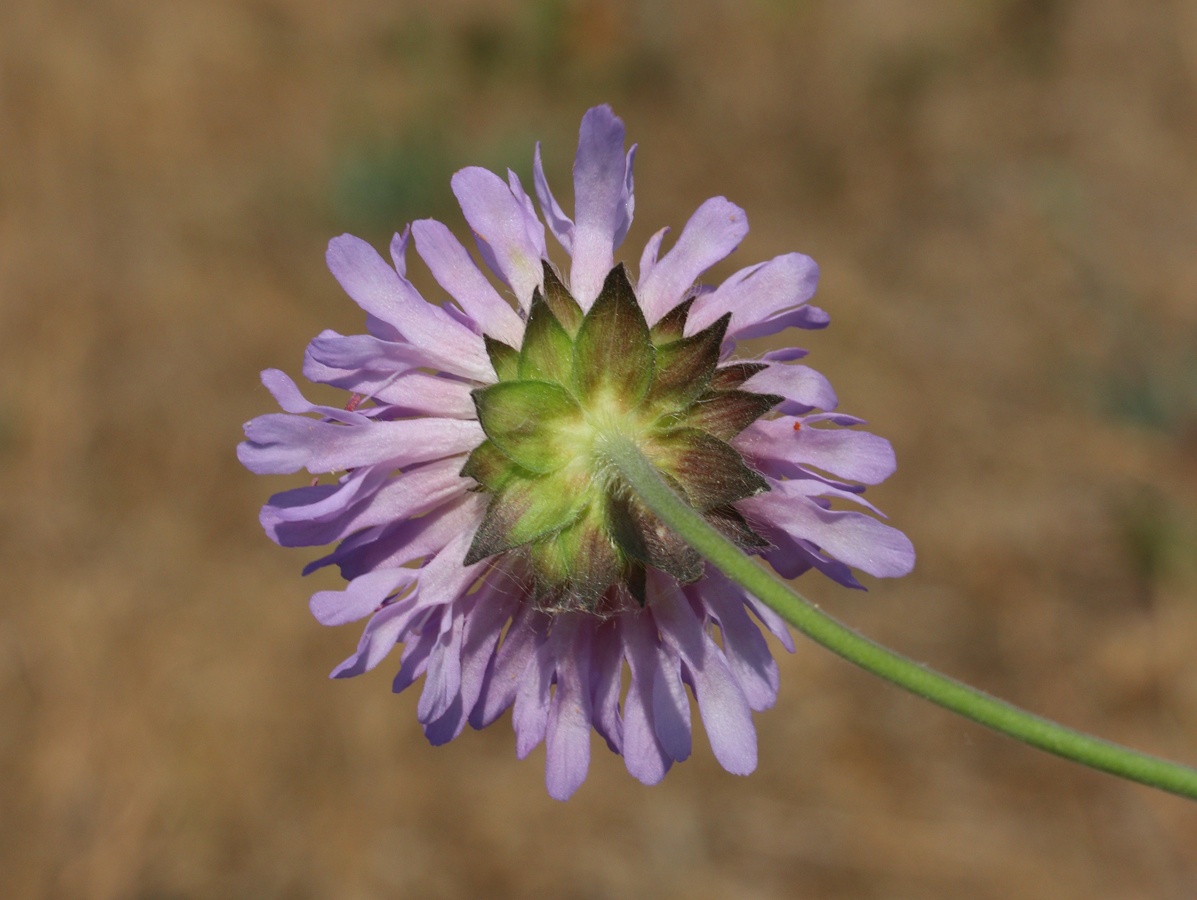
(1003, 198)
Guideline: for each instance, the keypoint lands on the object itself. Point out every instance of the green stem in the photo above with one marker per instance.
(969, 702)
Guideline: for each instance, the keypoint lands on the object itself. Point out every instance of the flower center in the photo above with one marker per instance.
(578, 379)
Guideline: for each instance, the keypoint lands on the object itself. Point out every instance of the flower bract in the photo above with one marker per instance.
(473, 511)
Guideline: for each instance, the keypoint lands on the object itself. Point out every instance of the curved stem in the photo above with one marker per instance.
(956, 696)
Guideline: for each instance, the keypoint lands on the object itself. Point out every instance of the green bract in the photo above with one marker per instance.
(579, 380)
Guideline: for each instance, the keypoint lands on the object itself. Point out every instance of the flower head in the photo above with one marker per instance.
(476, 518)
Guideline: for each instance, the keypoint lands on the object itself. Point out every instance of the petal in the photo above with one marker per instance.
(785, 354)
(499, 222)
(567, 739)
(506, 672)
(289, 398)
(648, 258)
(791, 558)
(323, 500)
(671, 706)
(726, 715)
(533, 227)
(442, 680)
(394, 499)
(771, 620)
(398, 250)
(530, 714)
(600, 210)
(403, 542)
(360, 598)
(440, 582)
(497, 603)
(758, 295)
(385, 629)
(851, 537)
(607, 654)
(417, 649)
(744, 646)
(361, 381)
(366, 352)
(714, 231)
(363, 351)
(367, 279)
(559, 223)
(486, 613)
(808, 484)
(280, 443)
(381, 291)
(627, 204)
(319, 503)
(421, 394)
(805, 316)
(803, 387)
(448, 726)
(857, 455)
(454, 270)
(296, 502)
(645, 758)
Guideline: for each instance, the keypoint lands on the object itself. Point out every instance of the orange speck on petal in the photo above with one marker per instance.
(797, 426)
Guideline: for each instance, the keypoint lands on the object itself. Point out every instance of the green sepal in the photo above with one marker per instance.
(526, 509)
(548, 352)
(504, 358)
(685, 367)
(728, 378)
(579, 562)
(642, 536)
(672, 326)
(561, 301)
(491, 467)
(534, 423)
(635, 579)
(613, 352)
(735, 527)
(709, 470)
(577, 375)
(725, 414)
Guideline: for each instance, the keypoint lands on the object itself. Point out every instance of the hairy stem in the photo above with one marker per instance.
(956, 696)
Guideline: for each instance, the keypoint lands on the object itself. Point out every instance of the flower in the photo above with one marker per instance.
(476, 520)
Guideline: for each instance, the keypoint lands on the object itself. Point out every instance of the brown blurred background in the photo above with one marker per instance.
(1003, 198)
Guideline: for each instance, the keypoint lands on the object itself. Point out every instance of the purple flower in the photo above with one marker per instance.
(472, 512)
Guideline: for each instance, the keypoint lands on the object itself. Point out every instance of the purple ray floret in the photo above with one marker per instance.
(440, 551)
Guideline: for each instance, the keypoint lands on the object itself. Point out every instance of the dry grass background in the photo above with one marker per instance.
(1003, 198)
